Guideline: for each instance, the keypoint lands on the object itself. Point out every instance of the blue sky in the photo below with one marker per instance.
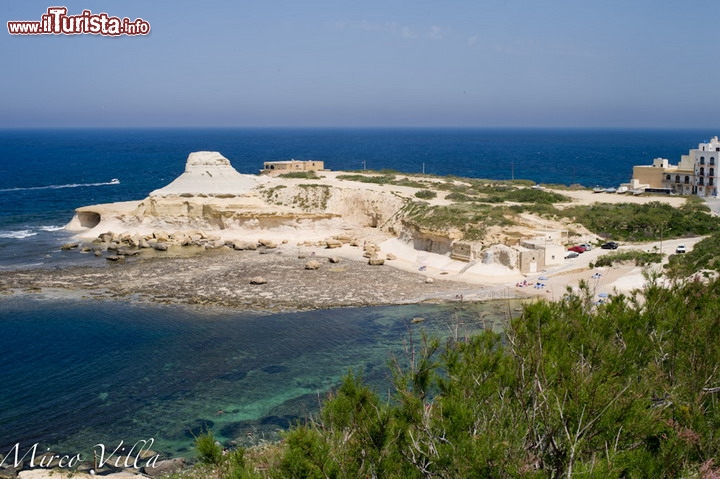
(481, 63)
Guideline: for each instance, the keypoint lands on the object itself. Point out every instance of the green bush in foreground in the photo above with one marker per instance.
(209, 451)
(629, 388)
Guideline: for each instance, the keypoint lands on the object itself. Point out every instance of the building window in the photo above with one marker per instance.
(711, 172)
(710, 182)
(667, 178)
(702, 171)
(702, 160)
(677, 178)
(687, 180)
(712, 160)
(701, 182)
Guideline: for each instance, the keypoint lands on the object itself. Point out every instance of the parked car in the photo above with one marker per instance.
(681, 249)
(587, 246)
(610, 245)
(572, 254)
(577, 248)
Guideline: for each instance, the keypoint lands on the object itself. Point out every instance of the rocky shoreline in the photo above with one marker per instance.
(266, 279)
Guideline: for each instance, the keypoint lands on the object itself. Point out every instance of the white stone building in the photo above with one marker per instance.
(695, 174)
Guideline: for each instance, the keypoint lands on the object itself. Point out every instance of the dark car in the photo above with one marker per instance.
(577, 248)
(610, 245)
(571, 254)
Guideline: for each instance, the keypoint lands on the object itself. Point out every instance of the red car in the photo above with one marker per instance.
(577, 249)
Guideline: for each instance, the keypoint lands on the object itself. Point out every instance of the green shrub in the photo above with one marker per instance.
(209, 451)
(425, 194)
(640, 258)
(644, 222)
(308, 175)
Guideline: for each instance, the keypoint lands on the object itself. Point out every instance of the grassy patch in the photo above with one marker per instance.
(307, 175)
(640, 258)
(426, 194)
(647, 222)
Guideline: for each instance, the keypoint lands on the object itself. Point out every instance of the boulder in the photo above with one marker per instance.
(144, 243)
(333, 243)
(312, 264)
(429, 280)
(106, 237)
(334, 259)
(345, 239)
(160, 246)
(376, 261)
(267, 243)
(161, 235)
(68, 246)
(258, 280)
(390, 257)
(244, 245)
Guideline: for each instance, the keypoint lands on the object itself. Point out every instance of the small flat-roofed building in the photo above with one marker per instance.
(653, 176)
(551, 254)
(290, 166)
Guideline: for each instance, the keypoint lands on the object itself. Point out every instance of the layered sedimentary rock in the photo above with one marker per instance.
(208, 173)
(210, 195)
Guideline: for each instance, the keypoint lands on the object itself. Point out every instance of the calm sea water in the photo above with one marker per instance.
(79, 373)
(75, 373)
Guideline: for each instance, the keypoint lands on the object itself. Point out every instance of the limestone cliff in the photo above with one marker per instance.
(212, 196)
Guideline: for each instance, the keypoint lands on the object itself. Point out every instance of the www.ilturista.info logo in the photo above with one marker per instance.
(57, 22)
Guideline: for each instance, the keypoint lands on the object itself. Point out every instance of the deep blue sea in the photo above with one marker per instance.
(75, 373)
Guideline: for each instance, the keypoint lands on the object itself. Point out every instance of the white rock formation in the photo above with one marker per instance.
(208, 173)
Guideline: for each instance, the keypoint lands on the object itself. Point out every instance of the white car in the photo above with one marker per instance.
(681, 249)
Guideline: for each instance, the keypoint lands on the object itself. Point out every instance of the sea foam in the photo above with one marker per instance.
(17, 234)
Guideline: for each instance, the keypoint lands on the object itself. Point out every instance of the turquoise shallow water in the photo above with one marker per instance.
(78, 373)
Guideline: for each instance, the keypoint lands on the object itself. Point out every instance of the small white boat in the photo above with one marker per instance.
(114, 181)
(622, 190)
(598, 189)
(610, 190)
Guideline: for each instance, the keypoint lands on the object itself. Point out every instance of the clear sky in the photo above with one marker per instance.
(467, 63)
